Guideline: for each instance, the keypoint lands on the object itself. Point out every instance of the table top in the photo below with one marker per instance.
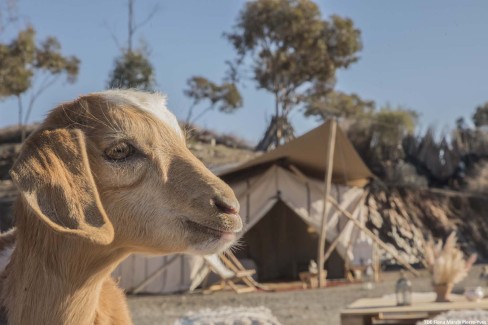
(421, 302)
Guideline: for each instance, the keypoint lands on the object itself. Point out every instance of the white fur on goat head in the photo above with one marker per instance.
(106, 175)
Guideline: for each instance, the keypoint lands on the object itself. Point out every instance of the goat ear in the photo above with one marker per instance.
(55, 180)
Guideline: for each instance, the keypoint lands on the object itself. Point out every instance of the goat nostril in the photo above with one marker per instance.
(226, 206)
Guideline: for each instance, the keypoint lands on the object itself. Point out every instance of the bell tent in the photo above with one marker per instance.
(281, 194)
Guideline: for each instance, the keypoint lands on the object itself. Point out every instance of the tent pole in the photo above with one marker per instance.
(365, 230)
(325, 211)
(333, 245)
(375, 238)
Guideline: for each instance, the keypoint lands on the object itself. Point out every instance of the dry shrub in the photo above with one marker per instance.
(446, 263)
(478, 182)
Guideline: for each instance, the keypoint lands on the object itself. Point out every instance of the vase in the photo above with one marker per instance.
(443, 291)
(474, 294)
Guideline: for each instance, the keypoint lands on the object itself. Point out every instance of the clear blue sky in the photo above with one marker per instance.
(431, 56)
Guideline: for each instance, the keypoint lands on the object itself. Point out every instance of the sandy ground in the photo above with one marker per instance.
(319, 306)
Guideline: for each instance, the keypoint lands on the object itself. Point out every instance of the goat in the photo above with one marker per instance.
(105, 175)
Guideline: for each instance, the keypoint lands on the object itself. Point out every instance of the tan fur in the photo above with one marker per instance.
(7, 239)
(79, 214)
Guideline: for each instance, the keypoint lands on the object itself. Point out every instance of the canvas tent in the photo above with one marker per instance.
(308, 152)
(281, 195)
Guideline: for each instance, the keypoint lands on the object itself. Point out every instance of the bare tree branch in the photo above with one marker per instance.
(199, 116)
(8, 14)
(146, 20)
(46, 83)
(133, 26)
(130, 7)
(113, 36)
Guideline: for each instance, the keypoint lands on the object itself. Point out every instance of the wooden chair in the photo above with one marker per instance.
(232, 274)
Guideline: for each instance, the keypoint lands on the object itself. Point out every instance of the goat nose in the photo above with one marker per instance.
(225, 205)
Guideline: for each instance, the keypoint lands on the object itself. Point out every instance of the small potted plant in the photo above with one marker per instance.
(447, 265)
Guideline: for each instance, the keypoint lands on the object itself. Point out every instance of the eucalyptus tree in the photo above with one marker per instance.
(224, 97)
(132, 68)
(29, 68)
(293, 53)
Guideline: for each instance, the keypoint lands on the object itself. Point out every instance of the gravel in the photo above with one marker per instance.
(317, 306)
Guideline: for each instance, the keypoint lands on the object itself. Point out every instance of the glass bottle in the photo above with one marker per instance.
(403, 290)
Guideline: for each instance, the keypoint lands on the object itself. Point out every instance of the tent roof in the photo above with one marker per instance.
(309, 153)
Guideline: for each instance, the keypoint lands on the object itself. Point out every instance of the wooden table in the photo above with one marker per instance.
(384, 310)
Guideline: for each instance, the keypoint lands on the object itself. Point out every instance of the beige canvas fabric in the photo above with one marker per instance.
(259, 184)
(186, 272)
(309, 153)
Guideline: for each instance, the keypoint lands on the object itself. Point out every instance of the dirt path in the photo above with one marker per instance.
(292, 307)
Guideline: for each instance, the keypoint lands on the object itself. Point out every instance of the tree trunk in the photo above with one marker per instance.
(189, 115)
(21, 124)
(26, 118)
(278, 127)
(131, 25)
(270, 138)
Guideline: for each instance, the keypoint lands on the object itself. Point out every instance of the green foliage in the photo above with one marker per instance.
(337, 104)
(225, 97)
(480, 117)
(49, 58)
(294, 53)
(22, 60)
(392, 125)
(378, 136)
(132, 69)
(18, 60)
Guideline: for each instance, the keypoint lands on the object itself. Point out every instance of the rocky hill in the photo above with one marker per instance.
(405, 217)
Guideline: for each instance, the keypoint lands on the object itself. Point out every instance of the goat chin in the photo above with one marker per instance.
(94, 181)
(211, 246)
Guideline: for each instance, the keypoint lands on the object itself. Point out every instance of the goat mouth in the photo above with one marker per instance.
(209, 231)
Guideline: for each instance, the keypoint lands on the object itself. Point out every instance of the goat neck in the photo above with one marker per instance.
(56, 279)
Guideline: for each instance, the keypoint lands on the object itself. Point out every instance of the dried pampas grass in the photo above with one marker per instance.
(446, 263)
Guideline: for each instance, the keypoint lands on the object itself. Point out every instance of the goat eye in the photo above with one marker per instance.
(120, 151)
